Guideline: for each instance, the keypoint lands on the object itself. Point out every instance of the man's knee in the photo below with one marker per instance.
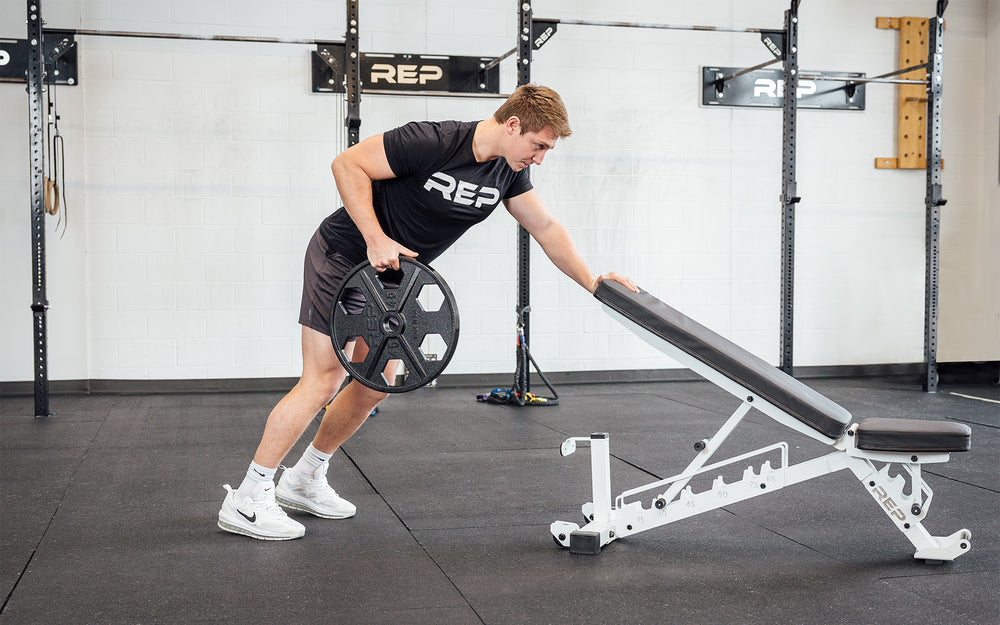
(365, 394)
(322, 386)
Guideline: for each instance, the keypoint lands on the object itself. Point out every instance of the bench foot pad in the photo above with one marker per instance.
(948, 547)
(585, 543)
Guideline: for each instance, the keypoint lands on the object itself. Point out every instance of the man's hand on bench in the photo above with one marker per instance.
(617, 277)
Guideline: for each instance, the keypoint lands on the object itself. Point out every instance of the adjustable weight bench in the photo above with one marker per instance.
(858, 447)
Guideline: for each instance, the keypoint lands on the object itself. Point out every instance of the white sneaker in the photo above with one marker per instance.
(258, 516)
(312, 493)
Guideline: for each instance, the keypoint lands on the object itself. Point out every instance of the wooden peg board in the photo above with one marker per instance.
(911, 123)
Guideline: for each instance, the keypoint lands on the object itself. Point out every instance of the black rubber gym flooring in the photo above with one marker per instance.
(109, 516)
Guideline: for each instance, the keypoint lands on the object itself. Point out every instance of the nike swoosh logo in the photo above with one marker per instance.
(252, 519)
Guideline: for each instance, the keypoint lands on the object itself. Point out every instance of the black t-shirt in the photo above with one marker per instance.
(439, 191)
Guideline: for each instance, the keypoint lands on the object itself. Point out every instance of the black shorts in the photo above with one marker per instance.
(321, 278)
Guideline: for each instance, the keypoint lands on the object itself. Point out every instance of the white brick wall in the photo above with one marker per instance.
(197, 171)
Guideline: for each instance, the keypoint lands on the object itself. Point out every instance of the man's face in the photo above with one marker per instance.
(528, 148)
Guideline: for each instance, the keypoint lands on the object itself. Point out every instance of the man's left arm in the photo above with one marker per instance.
(529, 211)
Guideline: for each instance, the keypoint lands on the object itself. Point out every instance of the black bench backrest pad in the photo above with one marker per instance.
(728, 358)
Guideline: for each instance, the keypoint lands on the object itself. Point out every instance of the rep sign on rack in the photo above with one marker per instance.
(766, 88)
(391, 73)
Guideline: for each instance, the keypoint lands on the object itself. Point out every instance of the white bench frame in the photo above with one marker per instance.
(674, 498)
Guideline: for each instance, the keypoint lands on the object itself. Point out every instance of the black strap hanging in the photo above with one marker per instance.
(517, 393)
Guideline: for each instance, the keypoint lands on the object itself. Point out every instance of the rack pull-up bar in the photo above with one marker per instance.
(902, 71)
(881, 78)
(148, 35)
(756, 67)
(497, 60)
(728, 29)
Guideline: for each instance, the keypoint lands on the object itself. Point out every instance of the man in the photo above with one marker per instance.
(411, 191)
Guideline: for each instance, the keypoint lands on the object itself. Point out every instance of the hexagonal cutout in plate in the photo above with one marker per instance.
(353, 301)
(430, 298)
(359, 351)
(433, 347)
(395, 374)
(391, 278)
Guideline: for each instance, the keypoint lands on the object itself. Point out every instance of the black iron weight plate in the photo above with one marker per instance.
(393, 324)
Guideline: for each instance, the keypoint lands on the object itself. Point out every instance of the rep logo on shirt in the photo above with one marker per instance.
(462, 192)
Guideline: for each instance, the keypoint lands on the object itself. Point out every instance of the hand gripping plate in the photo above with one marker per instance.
(403, 310)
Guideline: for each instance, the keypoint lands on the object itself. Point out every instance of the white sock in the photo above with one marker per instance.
(311, 459)
(255, 475)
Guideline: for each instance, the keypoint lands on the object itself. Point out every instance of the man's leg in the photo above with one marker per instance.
(252, 509)
(322, 375)
(304, 486)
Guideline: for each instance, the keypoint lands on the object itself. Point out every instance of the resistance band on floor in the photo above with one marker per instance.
(518, 393)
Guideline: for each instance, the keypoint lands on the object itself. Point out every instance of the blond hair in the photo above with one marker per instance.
(537, 107)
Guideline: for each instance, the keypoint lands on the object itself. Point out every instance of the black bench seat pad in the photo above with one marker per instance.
(728, 358)
(879, 434)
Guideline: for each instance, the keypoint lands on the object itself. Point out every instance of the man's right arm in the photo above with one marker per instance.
(354, 169)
